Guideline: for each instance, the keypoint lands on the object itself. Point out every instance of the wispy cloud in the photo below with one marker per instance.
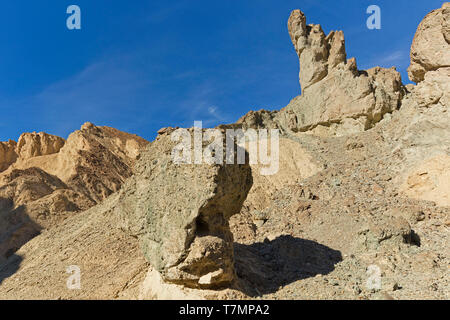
(161, 14)
(111, 92)
(98, 88)
(396, 58)
(199, 103)
(216, 114)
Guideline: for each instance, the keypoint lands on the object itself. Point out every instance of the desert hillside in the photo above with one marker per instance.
(362, 188)
(45, 179)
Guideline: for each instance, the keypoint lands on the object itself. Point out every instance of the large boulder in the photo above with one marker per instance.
(180, 213)
(430, 49)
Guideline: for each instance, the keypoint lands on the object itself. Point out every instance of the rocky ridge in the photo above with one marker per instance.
(46, 178)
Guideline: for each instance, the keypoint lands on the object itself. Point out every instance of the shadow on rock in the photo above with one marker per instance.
(10, 267)
(263, 267)
(17, 228)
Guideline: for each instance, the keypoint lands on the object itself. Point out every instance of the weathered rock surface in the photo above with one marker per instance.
(295, 165)
(434, 89)
(38, 144)
(317, 53)
(430, 180)
(111, 263)
(181, 211)
(155, 288)
(430, 49)
(262, 119)
(345, 97)
(21, 193)
(7, 154)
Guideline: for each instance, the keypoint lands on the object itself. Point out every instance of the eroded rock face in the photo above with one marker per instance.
(317, 53)
(7, 154)
(430, 49)
(434, 89)
(430, 181)
(334, 92)
(345, 95)
(262, 119)
(38, 144)
(181, 211)
(337, 99)
(423, 132)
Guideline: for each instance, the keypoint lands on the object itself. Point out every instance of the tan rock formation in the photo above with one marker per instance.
(334, 91)
(337, 99)
(337, 209)
(345, 95)
(434, 89)
(430, 181)
(38, 144)
(317, 53)
(94, 161)
(8, 154)
(46, 179)
(155, 288)
(258, 120)
(430, 49)
(89, 240)
(21, 191)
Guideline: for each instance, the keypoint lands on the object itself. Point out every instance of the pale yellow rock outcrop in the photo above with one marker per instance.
(430, 181)
(431, 45)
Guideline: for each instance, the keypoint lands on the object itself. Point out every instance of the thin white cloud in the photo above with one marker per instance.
(396, 58)
(199, 104)
(216, 113)
(163, 13)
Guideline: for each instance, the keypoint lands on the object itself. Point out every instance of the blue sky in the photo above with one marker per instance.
(141, 65)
